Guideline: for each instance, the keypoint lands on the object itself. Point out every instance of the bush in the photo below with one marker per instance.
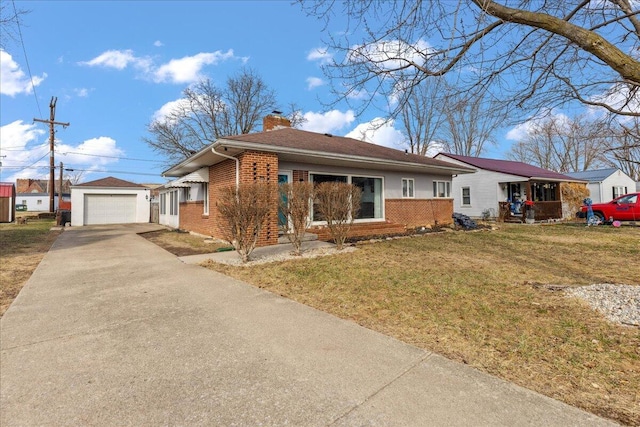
(337, 203)
(245, 209)
(295, 204)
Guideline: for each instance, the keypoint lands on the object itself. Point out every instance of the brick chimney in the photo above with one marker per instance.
(275, 121)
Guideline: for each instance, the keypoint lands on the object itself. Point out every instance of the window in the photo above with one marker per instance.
(173, 202)
(407, 187)
(371, 202)
(441, 189)
(39, 202)
(24, 202)
(163, 205)
(466, 196)
(619, 191)
(205, 197)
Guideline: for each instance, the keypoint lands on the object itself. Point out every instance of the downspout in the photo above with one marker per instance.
(213, 150)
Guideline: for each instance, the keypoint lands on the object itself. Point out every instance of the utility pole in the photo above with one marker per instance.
(52, 122)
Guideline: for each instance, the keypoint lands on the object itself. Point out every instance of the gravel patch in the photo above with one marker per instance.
(619, 303)
(284, 256)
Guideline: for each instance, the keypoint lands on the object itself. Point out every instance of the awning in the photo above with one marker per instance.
(199, 176)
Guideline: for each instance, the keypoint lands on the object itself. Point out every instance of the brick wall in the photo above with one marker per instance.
(192, 218)
(299, 176)
(256, 166)
(419, 212)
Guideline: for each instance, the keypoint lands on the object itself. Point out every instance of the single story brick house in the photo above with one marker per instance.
(400, 190)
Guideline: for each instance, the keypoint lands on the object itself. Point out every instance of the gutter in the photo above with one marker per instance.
(213, 150)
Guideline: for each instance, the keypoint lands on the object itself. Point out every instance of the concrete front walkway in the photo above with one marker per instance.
(111, 330)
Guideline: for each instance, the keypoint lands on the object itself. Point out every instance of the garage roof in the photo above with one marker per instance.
(110, 182)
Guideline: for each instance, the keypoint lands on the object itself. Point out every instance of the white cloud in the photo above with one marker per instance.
(187, 69)
(619, 96)
(313, 82)
(82, 92)
(118, 59)
(525, 129)
(158, 43)
(26, 148)
(378, 131)
(168, 108)
(14, 80)
(328, 122)
(184, 70)
(320, 55)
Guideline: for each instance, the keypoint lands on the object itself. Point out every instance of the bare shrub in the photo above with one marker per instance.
(245, 209)
(337, 203)
(573, 194)
(295, 204)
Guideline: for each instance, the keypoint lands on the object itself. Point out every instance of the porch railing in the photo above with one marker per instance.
(543, 211)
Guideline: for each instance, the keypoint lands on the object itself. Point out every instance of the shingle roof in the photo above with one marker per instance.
(109, 182)
(593, 175)
(510, 167)
(290, 138)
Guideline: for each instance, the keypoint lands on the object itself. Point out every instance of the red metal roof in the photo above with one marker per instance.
(510, 167)
(7, 189)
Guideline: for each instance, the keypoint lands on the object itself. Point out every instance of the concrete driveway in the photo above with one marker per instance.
(112, 330)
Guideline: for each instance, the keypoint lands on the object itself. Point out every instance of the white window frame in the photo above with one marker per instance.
(462, 203)
(619, 190)
(205, 197)
(447, 189)
(408, 184)
(349, 176)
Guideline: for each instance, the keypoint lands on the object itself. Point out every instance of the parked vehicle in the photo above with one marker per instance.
(623, 208)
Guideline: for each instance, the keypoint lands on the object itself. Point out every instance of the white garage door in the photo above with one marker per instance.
(109, 209)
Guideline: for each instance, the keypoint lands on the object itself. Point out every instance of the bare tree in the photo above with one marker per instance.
(535, 55)
(207, 112)
(470, 122)
(245, 209)
(75, 177)
(10, 22)
(622, 149)
(295, 205)
(562, 144)
(422, 117)
(338, 204)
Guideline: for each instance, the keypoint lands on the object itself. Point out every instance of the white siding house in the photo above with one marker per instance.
(499, 183)
(606, 184)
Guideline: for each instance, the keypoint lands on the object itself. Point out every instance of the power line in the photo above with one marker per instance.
(111, 157)
(108, 171)
(26, 60)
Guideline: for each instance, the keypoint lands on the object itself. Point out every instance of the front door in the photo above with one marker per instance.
(283, 178)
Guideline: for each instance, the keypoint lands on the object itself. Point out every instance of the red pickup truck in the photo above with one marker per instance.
(623, 208)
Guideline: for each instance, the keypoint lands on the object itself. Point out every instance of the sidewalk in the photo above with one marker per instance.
(111, 330)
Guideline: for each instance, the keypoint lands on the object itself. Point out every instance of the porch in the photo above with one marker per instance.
(543, 211)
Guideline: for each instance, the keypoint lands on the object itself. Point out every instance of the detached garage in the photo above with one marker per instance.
(109, 201)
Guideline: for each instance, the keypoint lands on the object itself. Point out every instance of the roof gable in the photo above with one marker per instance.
(509, 167)
(109, 182)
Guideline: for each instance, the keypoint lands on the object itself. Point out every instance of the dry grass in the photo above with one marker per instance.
(469, 296)
(182, 244)
(22, 249)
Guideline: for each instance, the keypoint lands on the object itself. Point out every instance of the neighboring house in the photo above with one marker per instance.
(7, 202)
(398, 188)
(500, 188)
(109, 201)
(606, 184)
(34, 194)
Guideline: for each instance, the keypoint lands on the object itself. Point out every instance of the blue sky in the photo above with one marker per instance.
(113, 65)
